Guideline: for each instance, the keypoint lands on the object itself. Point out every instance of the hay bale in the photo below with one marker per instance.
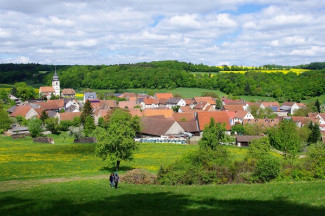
(43, 140)
(139, 176)
(86, 140)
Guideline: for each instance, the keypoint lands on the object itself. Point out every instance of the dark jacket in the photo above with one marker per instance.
(111, 178)
(116, 178)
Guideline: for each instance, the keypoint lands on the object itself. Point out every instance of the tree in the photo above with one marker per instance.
(24, 91)
(35, 127)
(52, 124)
(317, 105)
(315, 134)
(13, 91)
(4, 96)
(44, 116)
(86, 111)
(5, 120)
(218, 103)
(285, 138)
(213, 135)
(238, 128)
(259, 148)
(175, 108)
(210, 94)
(117, 141)
(89, 125)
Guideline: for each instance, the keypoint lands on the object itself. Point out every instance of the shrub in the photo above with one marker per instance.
(139, 176)
(267, 168)
(200, 167)
(259, 148)
(35, 127)
(52, 124)
(64, 125)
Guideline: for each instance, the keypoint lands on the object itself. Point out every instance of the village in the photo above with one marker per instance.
(164, 118)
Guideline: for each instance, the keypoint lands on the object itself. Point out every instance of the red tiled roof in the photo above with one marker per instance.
(69, 116)
(233, 107)
(68, 91)
(21, 111)
(52, 104)
(163, 101)
(135, 111)
(271, 104)
(218, 116)
(241, 114)
(168, 113)
(156, 126)
(39, 110)
(110, 103)
(200, 105)
(128, 104)
(231, 114)
(189, 126)
(187, 109)
(205, 99)
(262, 122)
(185, 116)
(45, 89)
(253, 104)
(150, 100)
(164, 95)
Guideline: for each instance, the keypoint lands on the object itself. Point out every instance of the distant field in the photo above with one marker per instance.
(185, 92)
(297, 71)
(313, 99)
(256, 98)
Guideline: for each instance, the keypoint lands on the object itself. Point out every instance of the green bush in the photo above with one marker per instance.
(64, 125)
(35, 127)
(200, 167)
(267, 168)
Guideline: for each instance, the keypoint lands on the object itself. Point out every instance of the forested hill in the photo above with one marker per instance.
(172, 74)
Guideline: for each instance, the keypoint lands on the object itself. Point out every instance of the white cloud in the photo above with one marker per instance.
(107, 32)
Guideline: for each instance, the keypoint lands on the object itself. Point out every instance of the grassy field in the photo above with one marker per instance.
(23, 159)
(94, 197)
(313, 99)
(40, 179)
(185, 92)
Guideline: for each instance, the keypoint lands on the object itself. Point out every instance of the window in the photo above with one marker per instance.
(57, 83)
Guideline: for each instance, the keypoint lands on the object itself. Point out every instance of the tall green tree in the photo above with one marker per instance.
(24, 91)
(89, 125)
(117, 143)
(35, 127)
(218, 103)
(44, 116)
(315, 134)
(5, 120)
(86, 111)
(317, 105)
(52, 124)
(213, 135)
(285, 138)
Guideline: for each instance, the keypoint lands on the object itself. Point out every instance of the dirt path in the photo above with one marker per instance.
(22, 184)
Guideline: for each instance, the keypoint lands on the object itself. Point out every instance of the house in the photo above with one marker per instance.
(245, 140)
(46, 91)
(54, 105)
(167, 96)
(321, 120)
(301, 120)
(204, 118)
(188, 121)
(25, 111)
(127, 104)
(135, 111)
(234, 108)
(162, 102)
(167, 113)
(89, 96)
(68, 116)
(202, 105)
(242, 115)
(71, 105)
(69, 93)
(171, 102)
(108, 104)
(226, 101)
(275, 106)
(153, 126)
(100, 113)
(264, 123)
(208, 100)
(149, 102)
(291, 107)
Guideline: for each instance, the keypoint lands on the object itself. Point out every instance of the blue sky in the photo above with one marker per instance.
(233, 32)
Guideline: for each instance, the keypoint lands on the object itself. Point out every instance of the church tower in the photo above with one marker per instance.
(56, 84)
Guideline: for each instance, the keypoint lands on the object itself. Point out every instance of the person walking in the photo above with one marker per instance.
(111, 179)
(116, 180)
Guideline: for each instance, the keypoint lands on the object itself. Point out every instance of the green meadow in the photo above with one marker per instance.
(68, 179)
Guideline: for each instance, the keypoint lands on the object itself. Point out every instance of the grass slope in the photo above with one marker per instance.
(94, 197)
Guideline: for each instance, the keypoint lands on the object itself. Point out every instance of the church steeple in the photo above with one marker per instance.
(56, 83)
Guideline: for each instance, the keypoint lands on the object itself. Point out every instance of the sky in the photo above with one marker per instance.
(212, 32)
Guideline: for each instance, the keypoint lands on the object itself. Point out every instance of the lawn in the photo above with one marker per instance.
(94, 197)
(313, 99)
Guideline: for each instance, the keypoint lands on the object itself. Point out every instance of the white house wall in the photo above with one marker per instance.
(175, 129)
